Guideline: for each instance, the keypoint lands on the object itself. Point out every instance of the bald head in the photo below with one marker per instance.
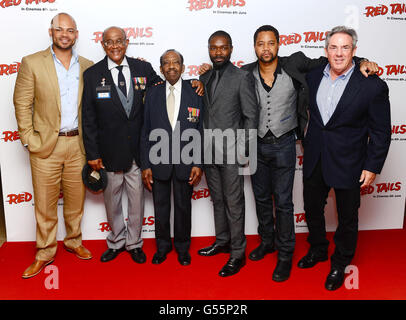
(114, 28)
(55, 22)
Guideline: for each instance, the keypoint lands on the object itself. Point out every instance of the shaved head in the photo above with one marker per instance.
(55, 20)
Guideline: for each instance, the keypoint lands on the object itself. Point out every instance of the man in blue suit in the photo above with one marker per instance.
(173, 111)
(345, 146)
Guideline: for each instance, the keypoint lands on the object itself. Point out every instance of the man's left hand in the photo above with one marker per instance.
(367, 177)
(368, 68)
(195, 176)
(200, 87)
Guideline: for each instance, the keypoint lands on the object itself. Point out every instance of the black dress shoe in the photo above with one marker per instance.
(213, 250)
(138, 255)
(110, 254)
(282, 270)
(311, 259)
(158, 257)
(232, 266)
(335, 279)
(260, 252)
(184, 258)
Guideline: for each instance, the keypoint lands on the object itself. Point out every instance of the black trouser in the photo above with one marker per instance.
(315, 192)
(274, 177)
(182, 193)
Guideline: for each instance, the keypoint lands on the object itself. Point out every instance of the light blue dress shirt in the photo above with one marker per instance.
(68, 87)
(330, 92)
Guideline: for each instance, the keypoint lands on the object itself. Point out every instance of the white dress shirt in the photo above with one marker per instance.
(177, 92)
(114, 72)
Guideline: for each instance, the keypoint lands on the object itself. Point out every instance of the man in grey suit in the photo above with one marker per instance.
(230, 104)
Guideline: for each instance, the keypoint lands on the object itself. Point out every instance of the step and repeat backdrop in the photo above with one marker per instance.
(185, 25)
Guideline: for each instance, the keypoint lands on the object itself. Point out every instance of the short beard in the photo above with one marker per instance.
(266, 61)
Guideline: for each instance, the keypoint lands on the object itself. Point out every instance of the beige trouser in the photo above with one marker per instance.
(61, 170)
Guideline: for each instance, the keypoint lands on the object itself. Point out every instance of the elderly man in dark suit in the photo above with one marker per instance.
(112, 119)
(230, 104)
(172, 109)
(345, 146)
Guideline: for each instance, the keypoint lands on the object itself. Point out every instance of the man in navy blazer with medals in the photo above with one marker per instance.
(112, 120)
(345, 146)
(172, 108)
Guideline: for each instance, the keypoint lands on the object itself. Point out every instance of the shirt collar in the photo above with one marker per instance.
(75, 55)
(111, 64)
(177, 85)
(326, 71)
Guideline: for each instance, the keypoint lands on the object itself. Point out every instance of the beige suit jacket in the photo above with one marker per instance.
(37, 102)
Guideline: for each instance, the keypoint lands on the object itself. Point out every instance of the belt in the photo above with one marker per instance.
(270, 138)
(69, 133)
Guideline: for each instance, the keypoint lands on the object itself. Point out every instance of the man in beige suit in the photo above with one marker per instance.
(47, 100)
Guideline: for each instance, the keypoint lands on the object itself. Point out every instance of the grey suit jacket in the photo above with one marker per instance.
(234, 105)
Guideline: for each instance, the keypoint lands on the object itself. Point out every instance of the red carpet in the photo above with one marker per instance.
(380, 258)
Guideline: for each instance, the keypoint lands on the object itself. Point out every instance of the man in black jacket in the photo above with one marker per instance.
(282, 94)
(112, 119)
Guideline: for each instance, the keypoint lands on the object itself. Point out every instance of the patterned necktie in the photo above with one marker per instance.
(121, 81)
(170, 104)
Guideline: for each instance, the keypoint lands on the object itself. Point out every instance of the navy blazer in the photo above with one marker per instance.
(357, 136)
(107, 131)
(156, 117)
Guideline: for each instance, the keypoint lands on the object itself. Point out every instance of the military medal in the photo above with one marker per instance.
(193, 114)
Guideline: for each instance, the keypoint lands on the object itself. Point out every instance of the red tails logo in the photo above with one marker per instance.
(199, 194)
(194, 70)
(133, 33)
(10, 136)
(8, 69)
(300, 217)
(10, 3)
(104, 226)
(18, 198)
(395, 8)
(207, 4)
(382, 187)
(294, 38)
(392, 70)
(400, 129)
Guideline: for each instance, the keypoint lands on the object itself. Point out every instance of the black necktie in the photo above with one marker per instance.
(121, 80)
(214, 83)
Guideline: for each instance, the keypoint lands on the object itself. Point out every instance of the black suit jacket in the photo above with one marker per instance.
(296, 66)
(357, 136)
(156, 117)
(107, 131)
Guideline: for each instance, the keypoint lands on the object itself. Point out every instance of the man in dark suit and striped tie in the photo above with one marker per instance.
(112, 119)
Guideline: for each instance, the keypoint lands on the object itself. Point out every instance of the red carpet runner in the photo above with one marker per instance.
(380, 259)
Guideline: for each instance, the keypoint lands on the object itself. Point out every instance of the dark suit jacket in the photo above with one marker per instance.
(156, 117)
(234, 105)
(357, 136)
(107, 131)
(296, 66)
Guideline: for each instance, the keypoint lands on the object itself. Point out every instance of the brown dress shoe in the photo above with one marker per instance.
(35, 268)
(81, 252)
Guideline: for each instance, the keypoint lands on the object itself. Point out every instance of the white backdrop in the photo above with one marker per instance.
(153, 27)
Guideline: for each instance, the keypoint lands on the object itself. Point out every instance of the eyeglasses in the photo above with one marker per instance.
(111, 43)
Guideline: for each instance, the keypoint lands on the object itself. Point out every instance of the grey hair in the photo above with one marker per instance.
(114, 27)
(342, 29)
(161, 59)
